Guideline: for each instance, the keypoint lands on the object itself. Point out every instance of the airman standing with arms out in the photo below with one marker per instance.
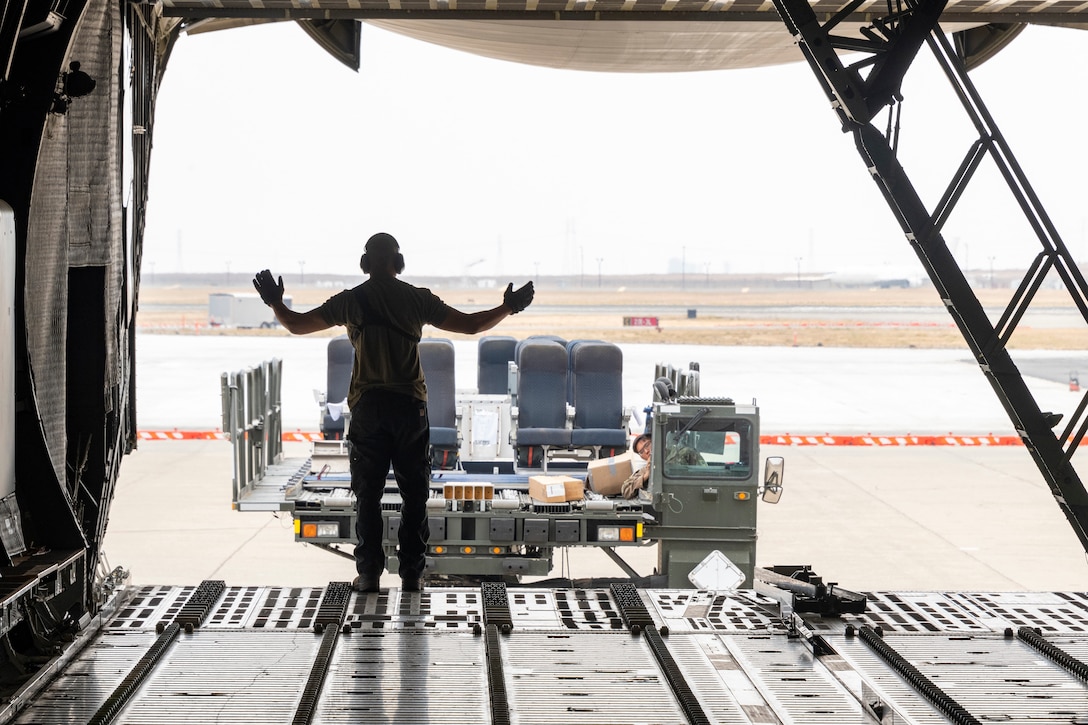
(387, 395)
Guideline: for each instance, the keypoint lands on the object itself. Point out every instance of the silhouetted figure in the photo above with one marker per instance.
(387, 395)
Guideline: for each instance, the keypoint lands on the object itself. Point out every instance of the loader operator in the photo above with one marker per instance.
(387, 395)
(640, 477)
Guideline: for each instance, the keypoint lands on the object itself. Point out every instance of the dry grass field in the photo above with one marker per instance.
(744, 317)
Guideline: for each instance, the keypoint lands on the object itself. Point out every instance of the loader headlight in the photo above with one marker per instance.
(615, 533)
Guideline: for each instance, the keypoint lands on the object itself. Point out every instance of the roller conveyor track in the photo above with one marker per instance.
(568, 656)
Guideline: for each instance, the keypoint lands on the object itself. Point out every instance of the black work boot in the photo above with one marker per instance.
(365, 584)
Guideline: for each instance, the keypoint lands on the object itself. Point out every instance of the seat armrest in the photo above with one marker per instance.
(512, 381)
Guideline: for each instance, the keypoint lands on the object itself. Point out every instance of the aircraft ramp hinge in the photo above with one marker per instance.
(892, 45)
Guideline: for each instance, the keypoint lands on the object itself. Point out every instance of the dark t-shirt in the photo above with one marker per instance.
(384, 358)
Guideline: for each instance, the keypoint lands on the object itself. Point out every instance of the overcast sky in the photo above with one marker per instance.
(269, 153)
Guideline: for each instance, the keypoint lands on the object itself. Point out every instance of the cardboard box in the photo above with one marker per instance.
(606, 475)
(556, 489)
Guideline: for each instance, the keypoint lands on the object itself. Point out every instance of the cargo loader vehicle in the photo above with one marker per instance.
(500, 517)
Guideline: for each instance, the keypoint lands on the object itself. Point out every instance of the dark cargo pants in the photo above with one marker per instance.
(390, 428)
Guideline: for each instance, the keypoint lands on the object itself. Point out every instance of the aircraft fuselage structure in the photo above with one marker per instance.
(78, 86)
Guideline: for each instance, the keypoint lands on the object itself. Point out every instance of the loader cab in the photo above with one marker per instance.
(704, 483)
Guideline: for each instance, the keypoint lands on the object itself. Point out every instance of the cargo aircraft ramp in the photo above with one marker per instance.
(499, 655)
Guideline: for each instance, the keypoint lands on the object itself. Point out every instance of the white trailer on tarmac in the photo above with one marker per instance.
(247, 311)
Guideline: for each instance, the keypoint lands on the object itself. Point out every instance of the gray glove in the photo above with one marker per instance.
(270, 291)
(517, 299)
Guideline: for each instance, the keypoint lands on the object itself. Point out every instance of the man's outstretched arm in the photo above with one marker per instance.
(513, 302)
(297, 323)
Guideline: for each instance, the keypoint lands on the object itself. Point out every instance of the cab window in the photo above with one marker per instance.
(711, 449)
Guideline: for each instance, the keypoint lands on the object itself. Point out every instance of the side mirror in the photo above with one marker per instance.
(773, 470)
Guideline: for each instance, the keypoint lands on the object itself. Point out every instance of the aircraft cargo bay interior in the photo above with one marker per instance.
(538, 447)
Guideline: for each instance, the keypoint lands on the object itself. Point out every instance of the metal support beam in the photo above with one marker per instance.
(621, 562)
(857, 100)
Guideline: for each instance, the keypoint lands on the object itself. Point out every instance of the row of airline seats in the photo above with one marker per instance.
(568, 395)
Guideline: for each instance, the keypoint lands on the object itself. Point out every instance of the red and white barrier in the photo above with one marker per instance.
(217, 435)
(889, 440)
(785, 439)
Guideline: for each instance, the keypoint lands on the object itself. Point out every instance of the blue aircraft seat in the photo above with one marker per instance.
(596, 384)
(542, 401)
(341, 358)
(570, 366)
(540, 338)
(494, 353)
(437, 359)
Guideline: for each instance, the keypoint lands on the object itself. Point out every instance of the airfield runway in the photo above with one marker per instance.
(964, 517)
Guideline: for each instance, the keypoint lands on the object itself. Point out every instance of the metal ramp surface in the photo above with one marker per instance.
(524, 656)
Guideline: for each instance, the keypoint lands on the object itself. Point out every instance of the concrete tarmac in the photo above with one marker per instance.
(870, 518)
(891, 518)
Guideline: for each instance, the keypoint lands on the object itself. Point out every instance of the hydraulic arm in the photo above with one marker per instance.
(859, 92)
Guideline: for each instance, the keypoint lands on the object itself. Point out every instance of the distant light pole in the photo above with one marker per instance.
(799, 270)
(683, 267)
(301, 272)
(228, 273)
(991, 272)
(706, 265)
(599, 261)
(536, 270)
